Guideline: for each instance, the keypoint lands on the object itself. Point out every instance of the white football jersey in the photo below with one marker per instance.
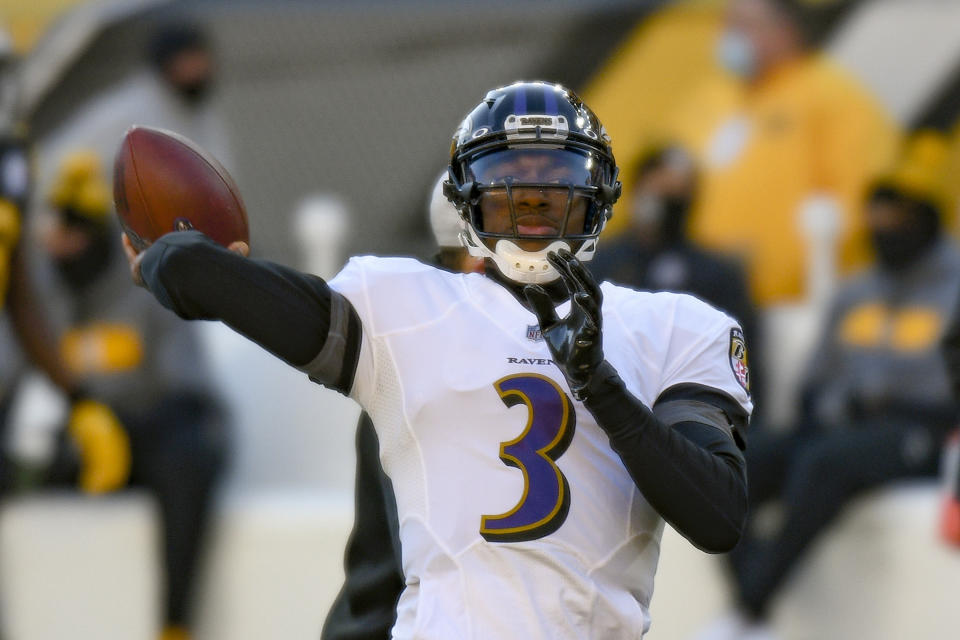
(517, 519)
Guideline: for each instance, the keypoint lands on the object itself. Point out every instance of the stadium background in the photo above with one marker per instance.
(327, 96)
(357, 100)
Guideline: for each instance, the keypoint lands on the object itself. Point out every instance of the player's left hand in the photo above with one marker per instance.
(576, 340)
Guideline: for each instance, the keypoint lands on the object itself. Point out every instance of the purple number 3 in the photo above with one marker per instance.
(551, 422)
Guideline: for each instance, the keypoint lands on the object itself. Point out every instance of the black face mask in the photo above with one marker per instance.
(675, 212)
(898, 249)
(81, 270)
(194, 92)
(668, 213)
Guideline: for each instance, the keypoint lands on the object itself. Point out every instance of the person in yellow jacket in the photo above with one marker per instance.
(785, 128)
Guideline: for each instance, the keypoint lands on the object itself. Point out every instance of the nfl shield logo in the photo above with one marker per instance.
(533, 333)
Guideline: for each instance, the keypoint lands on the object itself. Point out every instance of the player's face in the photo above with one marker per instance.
(550, 210)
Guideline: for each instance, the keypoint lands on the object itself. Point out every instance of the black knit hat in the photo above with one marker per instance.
(174, 38)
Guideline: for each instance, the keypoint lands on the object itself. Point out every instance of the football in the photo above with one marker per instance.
(163, 182)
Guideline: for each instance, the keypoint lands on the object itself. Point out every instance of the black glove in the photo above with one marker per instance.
(575, 341)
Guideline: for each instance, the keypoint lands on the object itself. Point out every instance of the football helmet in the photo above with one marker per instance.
(531, 172)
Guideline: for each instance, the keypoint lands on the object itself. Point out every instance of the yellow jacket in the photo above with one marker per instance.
(808, 130)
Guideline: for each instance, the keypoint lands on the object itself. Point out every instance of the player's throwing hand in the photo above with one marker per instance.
(135, 258)
(575, 341)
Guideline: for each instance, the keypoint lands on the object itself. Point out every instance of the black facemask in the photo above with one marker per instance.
(669, 213)
(675, 212)
(898, 249)
(79, 271)
(194, 92)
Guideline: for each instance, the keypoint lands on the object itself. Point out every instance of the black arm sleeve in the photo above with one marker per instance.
(693, 474)
(283, 310)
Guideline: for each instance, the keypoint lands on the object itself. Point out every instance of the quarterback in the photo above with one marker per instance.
(538, 428)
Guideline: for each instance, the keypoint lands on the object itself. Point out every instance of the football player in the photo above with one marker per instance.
(94, 429)
(537, 428)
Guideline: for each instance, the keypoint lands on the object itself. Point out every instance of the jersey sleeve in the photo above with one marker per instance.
(351, 284)
(387, 295)
(707, 362)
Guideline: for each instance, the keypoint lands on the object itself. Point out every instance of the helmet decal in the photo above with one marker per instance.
(535, 127)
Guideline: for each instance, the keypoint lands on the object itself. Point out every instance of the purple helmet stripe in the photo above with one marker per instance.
(549, 100)
(520, 103)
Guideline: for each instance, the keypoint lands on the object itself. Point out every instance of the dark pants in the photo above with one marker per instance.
(366, 607)
(816, 475)
(178, 452)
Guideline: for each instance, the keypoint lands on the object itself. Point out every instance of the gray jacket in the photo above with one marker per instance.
(127, 349)
(880, 357)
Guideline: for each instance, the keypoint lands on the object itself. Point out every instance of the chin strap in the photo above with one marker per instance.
(525, 267)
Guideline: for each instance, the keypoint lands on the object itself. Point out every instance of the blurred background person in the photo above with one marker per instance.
(785, 128)
(92, 429)
(366, 607)
(146, 363)
(172, 91)
(878, 399)
(95, 448)
(655, 252)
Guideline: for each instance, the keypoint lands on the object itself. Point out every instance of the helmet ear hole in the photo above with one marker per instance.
(450, 190)
(609, 194)
(462, 196)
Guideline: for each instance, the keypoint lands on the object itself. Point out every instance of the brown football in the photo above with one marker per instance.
(163, 182)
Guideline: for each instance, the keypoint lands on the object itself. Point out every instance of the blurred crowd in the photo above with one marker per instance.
(780, 190)
(143, 411)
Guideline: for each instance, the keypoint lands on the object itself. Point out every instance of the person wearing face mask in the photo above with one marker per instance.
(655, 252)
(784, 127)
(174, 89)
(146, 364)
(181, 54)
(878, 400)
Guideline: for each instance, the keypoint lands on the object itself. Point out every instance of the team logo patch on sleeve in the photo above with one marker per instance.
(738, 358)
